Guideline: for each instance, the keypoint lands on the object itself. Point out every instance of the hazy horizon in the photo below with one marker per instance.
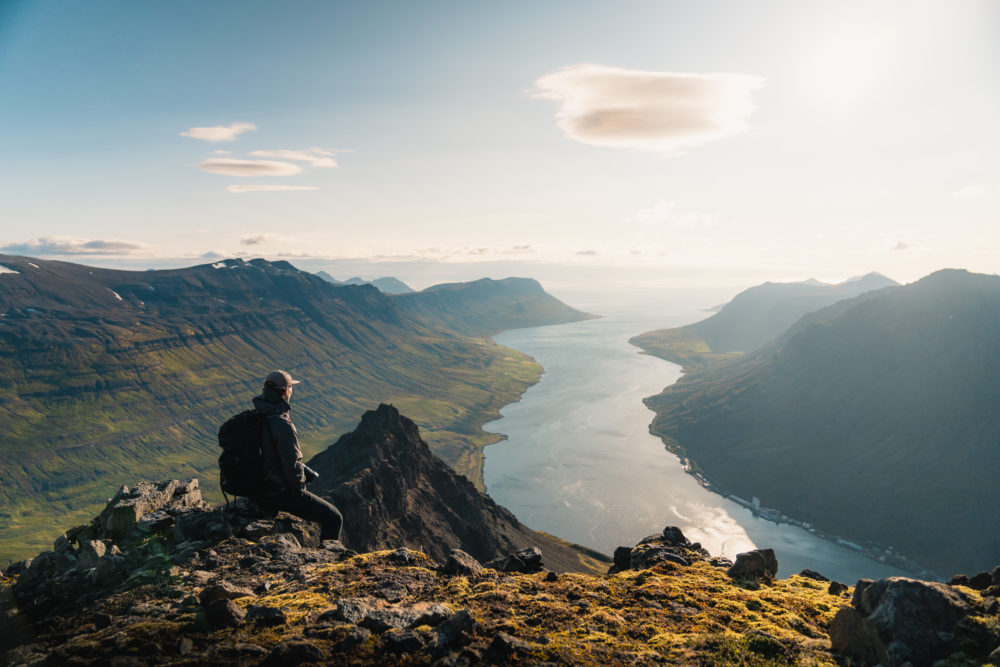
(634, 144)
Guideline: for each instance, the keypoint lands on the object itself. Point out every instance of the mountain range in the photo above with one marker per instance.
(388, 284)
(753, 317)
(118, 373)
(874, 418)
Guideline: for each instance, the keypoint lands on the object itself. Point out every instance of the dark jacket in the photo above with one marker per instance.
(282, 455)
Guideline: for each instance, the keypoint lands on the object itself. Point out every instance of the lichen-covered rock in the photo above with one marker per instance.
(755, 565)
(462, 563)
(526, 560)
(898, 620)
(224, 591)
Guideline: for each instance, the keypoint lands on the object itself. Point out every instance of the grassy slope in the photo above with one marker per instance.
(450, 390)
(92, 400)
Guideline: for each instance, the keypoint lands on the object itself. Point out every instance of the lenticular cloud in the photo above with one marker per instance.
(649, 111)
(231, 167)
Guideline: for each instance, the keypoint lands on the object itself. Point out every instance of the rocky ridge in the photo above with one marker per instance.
(160, 577)
(392, 490)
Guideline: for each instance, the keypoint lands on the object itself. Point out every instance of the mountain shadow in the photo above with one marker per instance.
(875, 419)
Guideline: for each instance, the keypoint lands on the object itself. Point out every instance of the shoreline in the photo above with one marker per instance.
(690, 362)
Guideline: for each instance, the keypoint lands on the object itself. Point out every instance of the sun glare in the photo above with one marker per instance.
(844, 67)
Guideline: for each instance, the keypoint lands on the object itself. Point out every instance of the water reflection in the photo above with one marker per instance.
(579, 461)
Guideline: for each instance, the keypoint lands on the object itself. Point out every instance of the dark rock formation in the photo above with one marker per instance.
(896, 621)
(755, 565)
(392, 490)
(667, 548)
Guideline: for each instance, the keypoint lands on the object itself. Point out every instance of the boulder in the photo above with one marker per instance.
(224, 613)
(91, 551)
(981, 581)
(837, 588)
(812, 574)
(526, 561)
(461, 563)
(128, 506)
(224, 591)
(898, 620)
(647, 554)
(266, 616)
(754, 565)
(622, 558)
(505, 648)
(673, 535)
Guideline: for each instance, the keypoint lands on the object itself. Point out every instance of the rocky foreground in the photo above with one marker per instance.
(160, 577)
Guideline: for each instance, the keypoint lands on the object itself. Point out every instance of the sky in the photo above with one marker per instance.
(624, 143)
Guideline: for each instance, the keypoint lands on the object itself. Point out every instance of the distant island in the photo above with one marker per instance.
(874, 418)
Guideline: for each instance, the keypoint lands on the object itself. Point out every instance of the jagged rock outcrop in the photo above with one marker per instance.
(392, 490)
(264, 591)
(900, 621)
(755, 565)
(668, 547)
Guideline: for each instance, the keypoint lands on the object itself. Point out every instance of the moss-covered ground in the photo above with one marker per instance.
(668, 614)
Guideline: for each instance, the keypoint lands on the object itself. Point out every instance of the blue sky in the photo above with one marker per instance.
(639, 143)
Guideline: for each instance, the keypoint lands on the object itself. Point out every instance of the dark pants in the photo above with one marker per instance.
(307, 506)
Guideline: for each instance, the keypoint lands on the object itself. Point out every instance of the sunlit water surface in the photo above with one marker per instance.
(579, 461)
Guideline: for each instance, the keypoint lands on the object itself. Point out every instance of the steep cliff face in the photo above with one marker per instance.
(393, 491)
(874, 419)
(118, 373)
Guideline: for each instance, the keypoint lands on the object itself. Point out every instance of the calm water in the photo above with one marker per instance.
(579, 461)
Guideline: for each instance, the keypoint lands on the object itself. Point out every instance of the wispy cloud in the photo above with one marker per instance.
(234, 167)
(891, 245)
(261, 239)
(316, 157)
(665, 213)
(269, 188)
(64, 245)
(217, 133)
(649, 111)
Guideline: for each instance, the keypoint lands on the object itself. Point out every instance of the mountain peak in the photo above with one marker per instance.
(393, 490)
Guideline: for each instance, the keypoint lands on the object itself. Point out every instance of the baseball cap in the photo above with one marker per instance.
(280, 379)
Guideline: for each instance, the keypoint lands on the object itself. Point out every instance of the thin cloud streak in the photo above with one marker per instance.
(261, 239)
(64, 245)
(648, 111)
(218, 133)
(316, 157)
(249, 168)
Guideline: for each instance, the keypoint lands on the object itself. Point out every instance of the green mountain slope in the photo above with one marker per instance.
(111, 374)
(875, 419)
(754, 317)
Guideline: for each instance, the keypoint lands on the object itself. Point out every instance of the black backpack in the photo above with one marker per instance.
(241, 464)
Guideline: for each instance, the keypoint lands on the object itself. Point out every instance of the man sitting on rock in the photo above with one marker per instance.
(285, 475)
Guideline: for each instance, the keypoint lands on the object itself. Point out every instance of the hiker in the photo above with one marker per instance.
(285, 475)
